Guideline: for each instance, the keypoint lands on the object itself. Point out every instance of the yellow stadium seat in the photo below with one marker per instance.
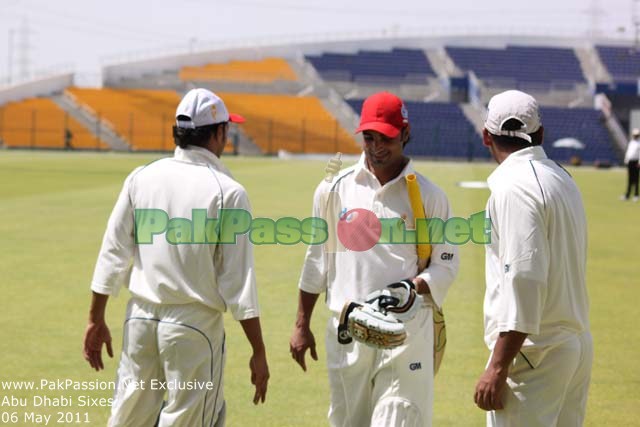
(41, 123)
(264, 71)
(298, 124)
(142, 117)
(291, 123)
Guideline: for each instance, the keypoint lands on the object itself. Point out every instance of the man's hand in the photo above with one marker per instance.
(95, 335)
(301, 340)
(491, 385)
(258, 361)
(259, 375)
(489, 389)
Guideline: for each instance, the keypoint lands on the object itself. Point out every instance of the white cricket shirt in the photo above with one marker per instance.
(633, 151)
(351, 275)
(219, 276)
(536, 262)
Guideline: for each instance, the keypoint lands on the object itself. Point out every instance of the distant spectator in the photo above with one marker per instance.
(631, 160)
(235, 139)
(68, 137)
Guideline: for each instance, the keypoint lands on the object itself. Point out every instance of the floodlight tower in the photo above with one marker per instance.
(595, 14)
(23, 48)
(635, 18)
(10, 56)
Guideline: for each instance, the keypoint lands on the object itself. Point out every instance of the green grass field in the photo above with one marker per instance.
(54, 208)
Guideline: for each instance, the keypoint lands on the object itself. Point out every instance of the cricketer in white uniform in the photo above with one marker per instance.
(371, 387)
(536, 309)
(174, 338)
(632, 160)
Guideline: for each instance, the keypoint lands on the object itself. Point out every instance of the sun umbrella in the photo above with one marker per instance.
(569, 143)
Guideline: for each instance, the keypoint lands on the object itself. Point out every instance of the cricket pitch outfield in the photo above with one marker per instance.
(54, 207)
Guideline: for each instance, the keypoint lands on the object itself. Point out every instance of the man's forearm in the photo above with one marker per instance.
(506, 349)
(253, 332)
(306, 303)
(98, 307)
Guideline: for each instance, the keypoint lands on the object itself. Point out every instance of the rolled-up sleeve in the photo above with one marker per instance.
(444, 264)
(114, 263)
(524, 260)
(313, 278)
(234, 266)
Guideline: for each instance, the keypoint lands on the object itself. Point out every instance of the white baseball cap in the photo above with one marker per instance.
(635, 132)
(201, 107)
(513, 104)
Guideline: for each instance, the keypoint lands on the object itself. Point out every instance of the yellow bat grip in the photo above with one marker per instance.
(424, 249)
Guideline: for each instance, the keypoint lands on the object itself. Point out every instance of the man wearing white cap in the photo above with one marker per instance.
(631, 158)
(536, 309)
(174, 339)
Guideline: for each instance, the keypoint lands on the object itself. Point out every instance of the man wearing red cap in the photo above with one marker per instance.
(174, 340)
(377, 387)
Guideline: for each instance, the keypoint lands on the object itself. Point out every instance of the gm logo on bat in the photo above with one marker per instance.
(415, 366)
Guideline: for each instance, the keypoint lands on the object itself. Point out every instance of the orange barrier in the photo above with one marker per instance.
(267, 70)
(41, 123)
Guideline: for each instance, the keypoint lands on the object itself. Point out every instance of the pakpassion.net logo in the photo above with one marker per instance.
(356, 229)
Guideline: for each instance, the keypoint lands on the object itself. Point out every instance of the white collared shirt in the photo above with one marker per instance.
(219, 276)
(633, 151)
(351, 275)
(536, 261)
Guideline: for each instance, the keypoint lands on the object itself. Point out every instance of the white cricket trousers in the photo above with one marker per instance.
(549, 388)
(390, 388)
(172, 353)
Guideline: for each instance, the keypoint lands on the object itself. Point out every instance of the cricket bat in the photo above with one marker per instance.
(424, 255)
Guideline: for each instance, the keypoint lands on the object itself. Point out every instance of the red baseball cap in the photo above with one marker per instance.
(385, 113)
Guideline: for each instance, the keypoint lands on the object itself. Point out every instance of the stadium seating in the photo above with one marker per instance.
(397, 66)
(145, 118)
(439, 130)
(295, 124)
(515, 65)
(40, 123)
(584, 124)
(142, 117)
(623, 63)
(267, 70)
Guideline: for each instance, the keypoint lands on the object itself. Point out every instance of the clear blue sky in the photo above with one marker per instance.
(82, 32)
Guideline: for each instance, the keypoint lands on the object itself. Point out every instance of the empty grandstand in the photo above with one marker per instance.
(584, 124)
(623, 63)
(290, 123)
(409, 65)
(267, 70)
(142, 117)
(521, 67)
(439, 130)
(306, 98)
(40, 123)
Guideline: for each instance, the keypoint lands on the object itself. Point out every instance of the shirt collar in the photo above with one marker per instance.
(515, 160)
(199, 155)
(362, 171)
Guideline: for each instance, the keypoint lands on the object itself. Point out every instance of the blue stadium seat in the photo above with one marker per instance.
(584, 124)
(397, 66)
(522, 65)
(439, 130)
(623, 63)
